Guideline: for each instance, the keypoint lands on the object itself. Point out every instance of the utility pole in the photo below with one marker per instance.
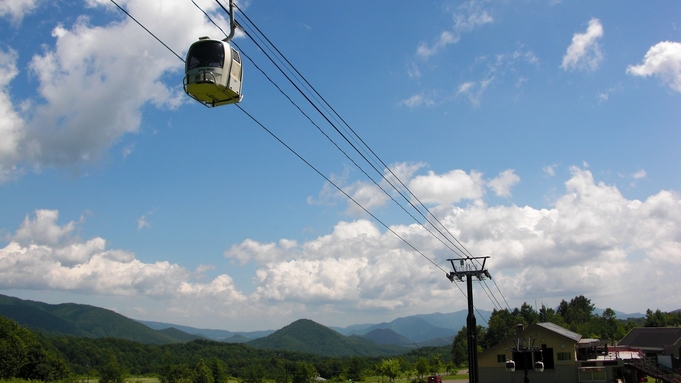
(468, 268)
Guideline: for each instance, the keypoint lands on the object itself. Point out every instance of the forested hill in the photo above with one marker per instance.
(307, 336)
(83, 321)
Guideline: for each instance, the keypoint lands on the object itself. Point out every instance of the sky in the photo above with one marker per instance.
(543, 134)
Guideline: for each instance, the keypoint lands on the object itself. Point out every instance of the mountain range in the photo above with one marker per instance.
(388, 338)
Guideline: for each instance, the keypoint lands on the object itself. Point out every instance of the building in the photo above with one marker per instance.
(566, 357)
(660, 343)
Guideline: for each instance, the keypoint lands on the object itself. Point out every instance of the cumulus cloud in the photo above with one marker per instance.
(584, 52)
(662, 60)
(502, 183)
(592, 240)
(450, 187)
(43, 255)
(432, 188)
(90, 93)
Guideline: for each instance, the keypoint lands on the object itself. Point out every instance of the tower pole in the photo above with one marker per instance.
(468, 269)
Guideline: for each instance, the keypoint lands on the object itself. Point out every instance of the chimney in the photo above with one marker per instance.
(519, 328)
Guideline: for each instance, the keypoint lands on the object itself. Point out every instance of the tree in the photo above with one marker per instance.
(43, 365)
(547, 314)
(435, 364)
(655, 319)
(501, 325)
(112, 372)
(217, 369)
(389, 368)
(529, 315)
(460, 347)
(578, 312)
(421, 366)
(303, 373)
(355, 369)
(609, 325)
(174, 373)
(252, 374)
(202, 374)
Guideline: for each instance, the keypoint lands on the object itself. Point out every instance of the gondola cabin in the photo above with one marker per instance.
(213, 73)
(539, 366)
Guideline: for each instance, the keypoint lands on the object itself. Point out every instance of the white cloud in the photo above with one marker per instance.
(143, 222)
(447, 188)
(467, 17)
(17, 9)
(639, 174)
(503, 182)
(497, 68)
(664, 61)
(417, 100)
(592, 241)
(91, 93)
(11, 123)
(466, 87)
(584, 52)
(43, 255)
(251, 250)
(474, 91)
(550, 170)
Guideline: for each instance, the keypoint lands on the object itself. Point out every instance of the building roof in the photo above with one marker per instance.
(651, 337)
(560, 330)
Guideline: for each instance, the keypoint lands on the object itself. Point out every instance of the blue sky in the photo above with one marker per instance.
(544, 134)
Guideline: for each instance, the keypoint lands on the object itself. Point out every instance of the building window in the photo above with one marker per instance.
(597, 375)
(501, 358)
(564, 357)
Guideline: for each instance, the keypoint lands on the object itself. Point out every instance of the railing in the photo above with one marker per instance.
(655, 370)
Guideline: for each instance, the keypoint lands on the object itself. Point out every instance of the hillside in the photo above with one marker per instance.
(307, 336)
(82, 321)
(387, 336)
(219, 335)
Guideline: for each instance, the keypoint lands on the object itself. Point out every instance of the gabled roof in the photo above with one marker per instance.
(560, 330)
(651, 337)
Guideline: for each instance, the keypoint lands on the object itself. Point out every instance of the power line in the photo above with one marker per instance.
(148, 31)
(466, 254)
(337, 187)
(458, 246)
(290, 68)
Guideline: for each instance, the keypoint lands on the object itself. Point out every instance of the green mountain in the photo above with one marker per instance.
(307, 336)
(416, 329)
(83, 321)
(387, 336)
(219, 335)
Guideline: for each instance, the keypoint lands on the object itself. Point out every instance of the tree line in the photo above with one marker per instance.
(576, 315)
(27, 354)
